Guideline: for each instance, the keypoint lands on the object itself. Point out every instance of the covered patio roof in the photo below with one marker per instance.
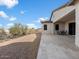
(63, 13)
(67, 17)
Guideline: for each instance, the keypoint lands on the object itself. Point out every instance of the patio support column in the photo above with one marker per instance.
(77, 24)
(50, 28)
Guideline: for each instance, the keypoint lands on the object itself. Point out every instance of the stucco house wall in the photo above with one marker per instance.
(67, 25)
(50, 28)
(77, 24)
(64, 26)
(61, 26)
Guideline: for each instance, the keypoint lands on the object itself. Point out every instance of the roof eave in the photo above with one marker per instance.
(46, 22)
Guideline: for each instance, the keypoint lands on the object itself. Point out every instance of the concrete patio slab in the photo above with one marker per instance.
(57, 47)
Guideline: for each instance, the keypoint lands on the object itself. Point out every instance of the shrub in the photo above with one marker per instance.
(18, 29)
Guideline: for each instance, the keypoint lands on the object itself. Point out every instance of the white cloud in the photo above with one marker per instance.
(41, 19)
(12, 18)
(22, 12)
(9, 3)
(10, 24)
(3, 14)
(7, 26)
(31, 26)
(0, 25)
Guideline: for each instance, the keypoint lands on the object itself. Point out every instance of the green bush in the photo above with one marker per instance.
(18, 29)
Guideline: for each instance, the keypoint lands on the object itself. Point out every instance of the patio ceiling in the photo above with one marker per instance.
(69, 16)
(61, 13)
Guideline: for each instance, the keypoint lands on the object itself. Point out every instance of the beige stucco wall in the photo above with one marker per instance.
(64, 26)
(67, 25)
(77, 25)
(50, 28)
(61, 26)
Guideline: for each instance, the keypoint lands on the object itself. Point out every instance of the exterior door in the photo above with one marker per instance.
(72, 28)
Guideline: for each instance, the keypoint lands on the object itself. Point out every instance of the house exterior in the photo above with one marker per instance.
(64, 21)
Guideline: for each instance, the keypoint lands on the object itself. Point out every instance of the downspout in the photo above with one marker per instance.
(51, 16)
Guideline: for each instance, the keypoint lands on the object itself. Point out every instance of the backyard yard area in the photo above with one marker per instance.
(25, 47)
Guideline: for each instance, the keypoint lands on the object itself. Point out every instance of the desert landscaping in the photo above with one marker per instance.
(25, 47)
(19, 42)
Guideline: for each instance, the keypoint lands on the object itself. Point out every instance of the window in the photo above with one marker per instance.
(45, 27)
(56, 27)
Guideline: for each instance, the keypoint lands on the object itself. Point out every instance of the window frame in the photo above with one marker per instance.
(45, 27)
(57, 27)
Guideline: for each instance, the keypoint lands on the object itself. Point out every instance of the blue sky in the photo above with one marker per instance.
(28, 12)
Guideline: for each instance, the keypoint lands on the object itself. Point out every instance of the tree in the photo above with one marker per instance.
(18, 29)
